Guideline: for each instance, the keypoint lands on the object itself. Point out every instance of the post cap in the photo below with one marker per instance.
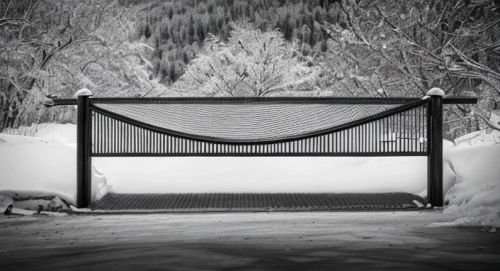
(436, 92)
(83, 92)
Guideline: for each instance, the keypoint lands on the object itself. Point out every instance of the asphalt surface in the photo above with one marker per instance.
(246, 241)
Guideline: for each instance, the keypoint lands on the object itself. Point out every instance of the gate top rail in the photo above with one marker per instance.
(49, 102)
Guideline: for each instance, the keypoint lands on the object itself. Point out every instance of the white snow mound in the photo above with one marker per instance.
(34, 166)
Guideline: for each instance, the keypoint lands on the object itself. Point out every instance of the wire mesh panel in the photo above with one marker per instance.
(281, 130)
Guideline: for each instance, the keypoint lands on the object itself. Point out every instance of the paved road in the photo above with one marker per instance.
(246, 241)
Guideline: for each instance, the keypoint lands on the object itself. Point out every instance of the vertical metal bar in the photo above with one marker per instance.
(164, 140)
(361, 139)
(341, 141)
(108, 134)
(83, 156)
(149, 141)
(359, 135)
(155, 142)
(367, 137)
(337, 142)
(137, 140)
(92, 132)
(113, 131)
(405, 131)
(422, 128)
(435, 161)
(169, 144)
(348, 141)
(94, 125)
(132, 138)
(372, 136)
(121, 136)
(144, 140)
(126, 138)
(105, 135)
(400, 134)
(162, 143)
(391, 133)
(118, 136)
(99, 139)
(328, 143)
(140, 138)
(355, 132)
(343, 145)
(388, 132)
(363, 135)
(412, 129)
(102, 134)
(417, 129)
(111, 136)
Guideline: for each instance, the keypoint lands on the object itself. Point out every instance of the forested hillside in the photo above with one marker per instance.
(177, 29)
(252, 48)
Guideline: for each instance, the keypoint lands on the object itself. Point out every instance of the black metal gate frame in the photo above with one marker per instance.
(433, 132)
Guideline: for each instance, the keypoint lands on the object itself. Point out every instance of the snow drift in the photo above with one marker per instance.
(31, 166)
(475, 174)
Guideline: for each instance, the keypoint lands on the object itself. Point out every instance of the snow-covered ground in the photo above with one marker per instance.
(475, 170)
(43, 161)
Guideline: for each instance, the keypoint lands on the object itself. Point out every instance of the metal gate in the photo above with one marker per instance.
(277, 126)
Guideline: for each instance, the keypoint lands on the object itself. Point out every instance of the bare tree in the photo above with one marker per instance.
(408, 47)
(60, 46)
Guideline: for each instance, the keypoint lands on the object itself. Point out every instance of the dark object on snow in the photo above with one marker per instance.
(39, 209)
(8, 211)
(23, 198)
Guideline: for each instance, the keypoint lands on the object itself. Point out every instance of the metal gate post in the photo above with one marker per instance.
(435, 141)
(83, 150)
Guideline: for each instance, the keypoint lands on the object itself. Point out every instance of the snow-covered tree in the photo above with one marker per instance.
(60, 46)
(405, 49)
(250, 63)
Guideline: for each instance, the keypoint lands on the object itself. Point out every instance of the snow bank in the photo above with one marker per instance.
(51, 132)
(475, 194)
(32, 166)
